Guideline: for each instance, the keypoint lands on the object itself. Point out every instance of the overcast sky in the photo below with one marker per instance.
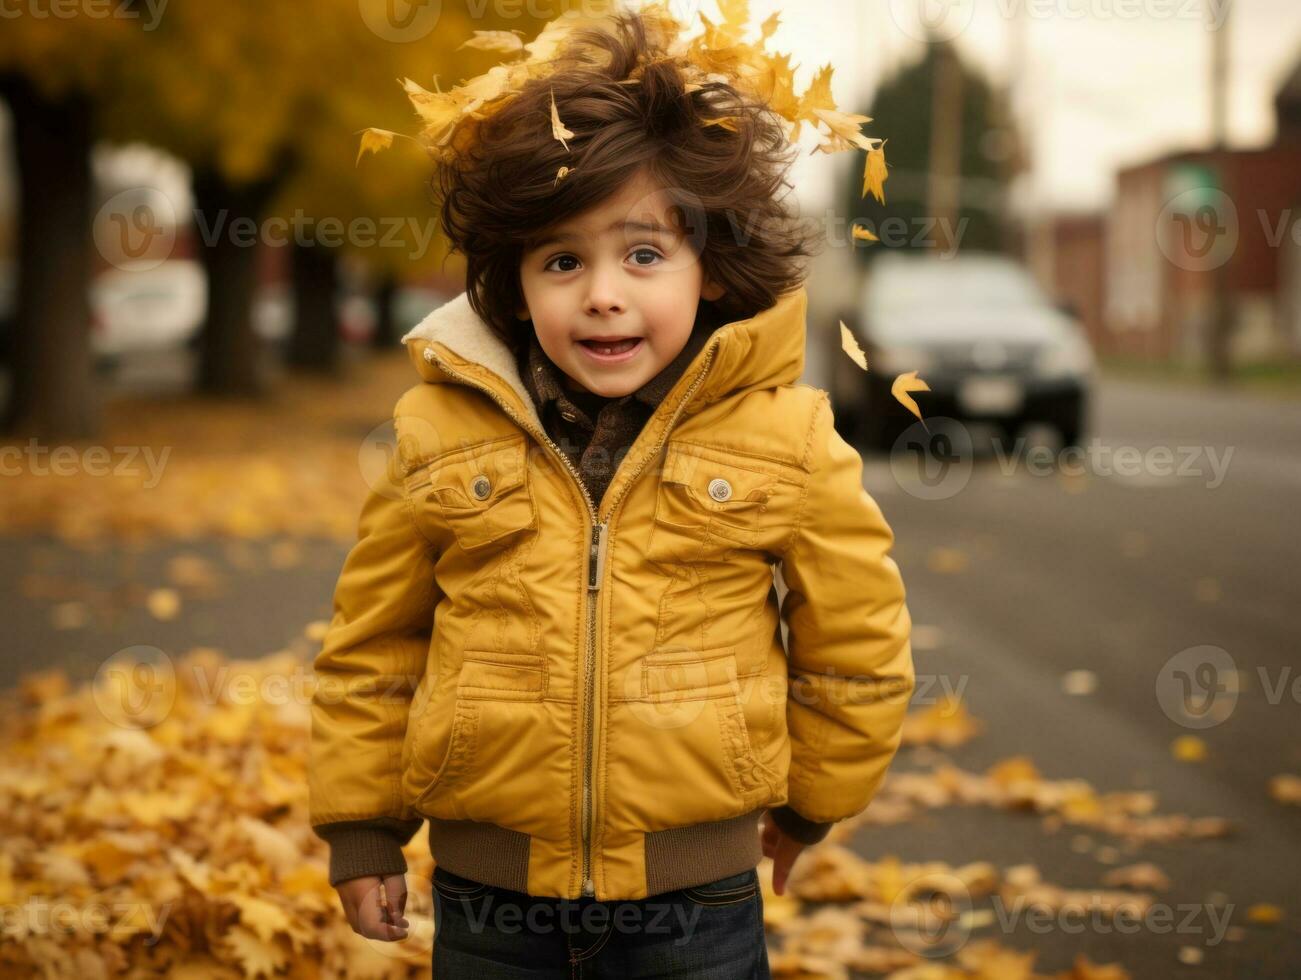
(1106, 87)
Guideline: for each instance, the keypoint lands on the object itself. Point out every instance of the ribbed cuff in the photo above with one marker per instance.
(797, 828)
(358, 850)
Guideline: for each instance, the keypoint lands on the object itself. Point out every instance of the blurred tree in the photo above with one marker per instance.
(54, 74)
(942, 116)
(266, 103)
(223, 86)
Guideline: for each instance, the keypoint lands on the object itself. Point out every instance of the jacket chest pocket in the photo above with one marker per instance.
(710, 501)
(482, 493)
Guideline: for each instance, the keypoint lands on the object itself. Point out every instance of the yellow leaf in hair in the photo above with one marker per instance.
(736, 14)
(903, 385)
(850, 346)
(543, 48)
(439, 111)
(561, 174)
(864, 234)
(874, 173)
(503, 42)
(660, 23)
(496, 81)
(373, 140)
(818, 94)
(727, 122)
(844, 131)
(558, 129)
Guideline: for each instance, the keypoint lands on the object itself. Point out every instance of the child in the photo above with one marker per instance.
(558, 637)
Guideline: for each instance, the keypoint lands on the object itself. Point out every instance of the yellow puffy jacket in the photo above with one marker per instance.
(595, 698)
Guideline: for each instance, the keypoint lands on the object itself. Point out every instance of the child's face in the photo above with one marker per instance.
(596, 278)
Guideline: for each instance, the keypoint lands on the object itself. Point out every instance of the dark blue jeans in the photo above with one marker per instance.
(712, 931)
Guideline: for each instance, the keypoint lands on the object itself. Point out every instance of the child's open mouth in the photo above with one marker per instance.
(611, 350)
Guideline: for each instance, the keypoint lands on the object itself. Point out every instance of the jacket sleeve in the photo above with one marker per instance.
(848, 645)
(371, 662)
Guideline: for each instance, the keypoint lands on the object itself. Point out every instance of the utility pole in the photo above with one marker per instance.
(1221, 308)
(945, 179)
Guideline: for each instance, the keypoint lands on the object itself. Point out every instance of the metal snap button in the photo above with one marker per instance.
(720, 489)
(481, 487)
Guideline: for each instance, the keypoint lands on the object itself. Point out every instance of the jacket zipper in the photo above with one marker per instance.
(595, 572)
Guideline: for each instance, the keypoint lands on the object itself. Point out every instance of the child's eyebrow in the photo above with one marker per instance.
(558, 237)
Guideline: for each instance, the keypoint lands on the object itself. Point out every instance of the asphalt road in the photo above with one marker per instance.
(1019, 574)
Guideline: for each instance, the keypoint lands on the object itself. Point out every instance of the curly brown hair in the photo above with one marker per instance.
(629, 112)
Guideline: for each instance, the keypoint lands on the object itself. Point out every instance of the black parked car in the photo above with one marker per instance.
(979, 331)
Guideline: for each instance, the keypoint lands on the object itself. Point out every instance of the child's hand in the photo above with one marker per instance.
(782, 849)
(364, 901)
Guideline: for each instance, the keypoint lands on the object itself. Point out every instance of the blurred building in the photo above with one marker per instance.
(1142, 275)
(1185, 223)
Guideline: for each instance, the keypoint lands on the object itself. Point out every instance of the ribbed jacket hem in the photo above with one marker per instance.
(677, 857)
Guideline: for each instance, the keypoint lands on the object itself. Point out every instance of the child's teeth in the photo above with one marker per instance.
(615, 348)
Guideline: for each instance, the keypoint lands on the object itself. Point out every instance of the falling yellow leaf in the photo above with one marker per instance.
(903, 385)
(875, 173)
(845, 133)
(850, 346)
(558, 129)
(863, 233)
(502, 42)
(373, 140)
(1188, 748)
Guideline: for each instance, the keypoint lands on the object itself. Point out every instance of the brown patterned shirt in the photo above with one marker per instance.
(596, 432)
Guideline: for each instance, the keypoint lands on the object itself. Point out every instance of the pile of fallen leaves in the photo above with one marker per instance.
(155, 825)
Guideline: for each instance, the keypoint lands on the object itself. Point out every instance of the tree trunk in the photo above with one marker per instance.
(386, 328)
(53, 393)
(231, 353)
(314, 343)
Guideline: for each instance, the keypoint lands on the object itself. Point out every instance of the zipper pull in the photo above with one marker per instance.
(596, 557)
(589, 887)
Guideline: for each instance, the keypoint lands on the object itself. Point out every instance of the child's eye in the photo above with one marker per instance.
(560, 258)
(646, 251)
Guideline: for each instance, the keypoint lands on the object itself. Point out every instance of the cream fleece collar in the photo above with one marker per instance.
(763, 351)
